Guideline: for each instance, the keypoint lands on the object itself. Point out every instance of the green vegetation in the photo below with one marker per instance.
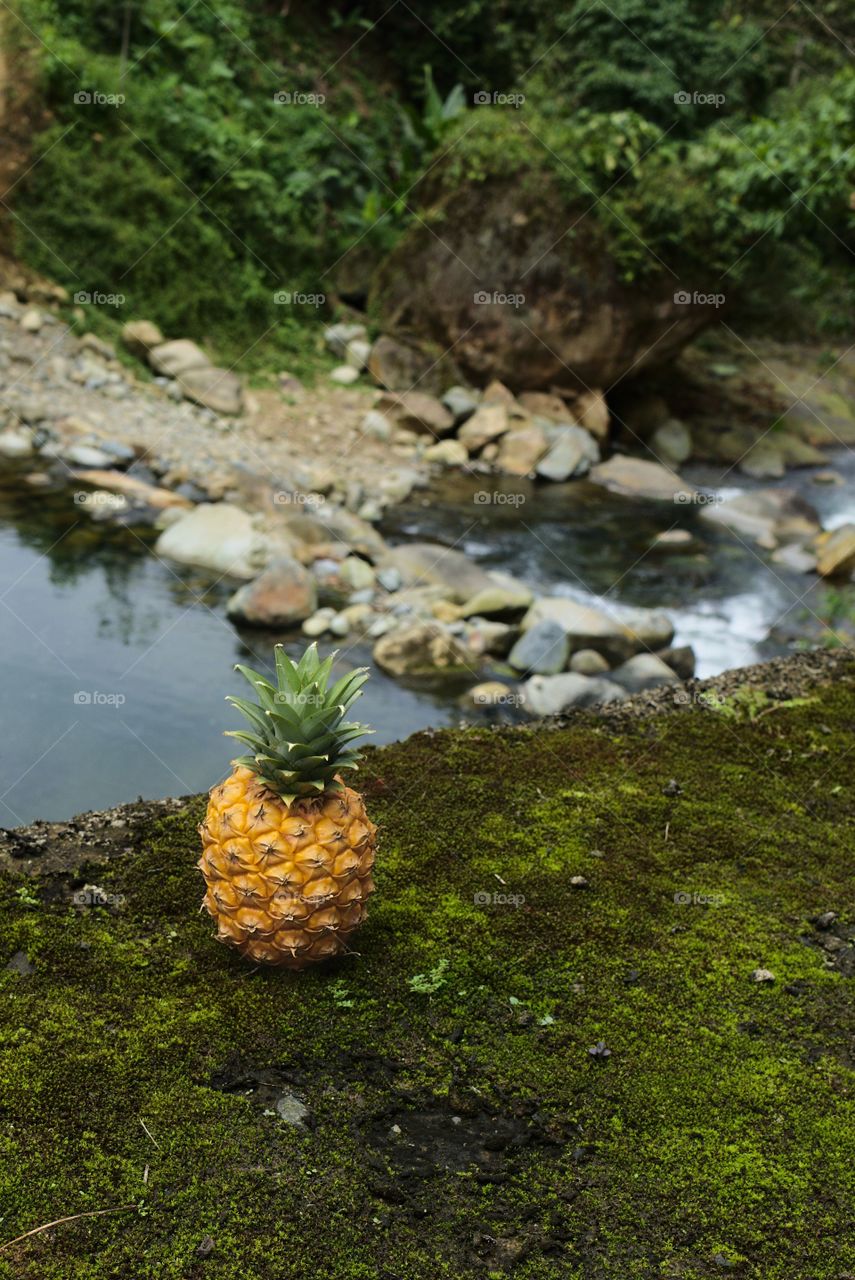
(199, 197)
(712, 1124)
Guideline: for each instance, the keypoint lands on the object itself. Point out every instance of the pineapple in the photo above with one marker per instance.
(288, 848)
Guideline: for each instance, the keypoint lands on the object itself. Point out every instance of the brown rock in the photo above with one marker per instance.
(423, 649)
(175, 358)
(836, 558)
(416, 411)
(639, 478)
(591, 412)
(216, 389)
(281, 596)
(140, 336)
(398, 367)
(521, 449)
(543, 404)
(487, 423)
(119, 482)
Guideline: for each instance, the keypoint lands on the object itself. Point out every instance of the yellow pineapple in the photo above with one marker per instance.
(288, 849)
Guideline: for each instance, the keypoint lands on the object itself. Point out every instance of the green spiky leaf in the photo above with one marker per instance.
(299, 737)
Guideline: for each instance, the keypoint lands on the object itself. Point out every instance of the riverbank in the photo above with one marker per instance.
(599, 1022)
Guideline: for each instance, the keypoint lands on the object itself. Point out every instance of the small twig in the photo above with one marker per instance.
(667, 829)
(93, 1213)
(148, 1131)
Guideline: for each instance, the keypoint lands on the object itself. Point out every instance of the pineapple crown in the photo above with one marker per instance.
(300, 738)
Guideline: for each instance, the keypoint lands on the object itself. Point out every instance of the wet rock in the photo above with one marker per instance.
(643, 671)
(640, 478)
(836, 553)
(767, 516)
(509, 597)
(172, 359)
(550, 695)
(140, 337)
(416, 411)
(423, 649)
(428, 564)
(216, 536)
(763, 462)
(461, 403)
(681, 660)
(487, 424)
(339, 336)
(671, 442)
(543, 649)
(521, 448)
(572, 452)
(587, 662)
(450, 453)
(281, 596)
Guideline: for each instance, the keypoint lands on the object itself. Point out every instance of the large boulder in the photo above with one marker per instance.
(640, 478)
(513, 296)
(217, 389)
(572, 453)
(284, 594)
(550, 695)
(417, 411)
(215, 536)
(172, 359)
(617, 636)
(542, 649)
(521, 449)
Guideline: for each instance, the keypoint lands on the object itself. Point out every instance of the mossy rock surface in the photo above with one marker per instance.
(457, 1123)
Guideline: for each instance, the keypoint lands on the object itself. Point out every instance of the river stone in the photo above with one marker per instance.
(492, 693)
(281, 596)
(140, 336)
(763, 462)
(376, 425)
(319, 623)
(16, 442)
(836, 557)
(766, 515)
(483, 635)
(422, 649)
(338, 336)
(350, 531)
(544, 404)
(450, 453)
(389, 578)
(587, 662)
(356, 573)
(396, 485)
(543, 649)
(572, 453)
(460, 402)
(681, 660)
(87, 455)
(172, 359)
(416, 411)
(219, 390)
(550, 695)
(428, 564)
(344, 374)
(591, 412)
(672, 442)
(521, 448)
(488, 423)
(215, 536)
(795, 558)
(497, 598)
(647, 628)
(644, 671)
(31, 321)
(640, 478)
(357, 353)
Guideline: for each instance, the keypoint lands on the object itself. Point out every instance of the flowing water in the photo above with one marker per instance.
(115, 665)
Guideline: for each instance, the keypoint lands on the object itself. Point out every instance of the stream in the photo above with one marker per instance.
(115, 664)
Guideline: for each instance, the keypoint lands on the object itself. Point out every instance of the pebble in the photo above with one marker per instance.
(389, 578)
(339, 625)
(762, 975)
(345, 375)
(32, 320)
(318, 623)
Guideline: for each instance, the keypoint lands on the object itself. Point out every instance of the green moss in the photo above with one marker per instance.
(141, 1061)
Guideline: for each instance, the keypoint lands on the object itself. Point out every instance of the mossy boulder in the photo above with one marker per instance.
(551, 1058)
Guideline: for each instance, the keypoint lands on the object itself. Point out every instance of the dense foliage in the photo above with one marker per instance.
(199, 196)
